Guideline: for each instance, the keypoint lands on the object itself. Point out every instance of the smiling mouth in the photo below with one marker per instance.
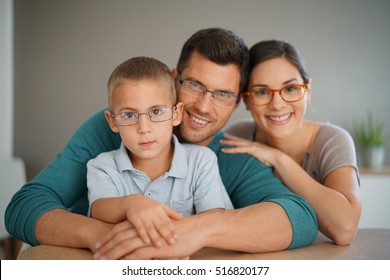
(280, 118)
(197, 122)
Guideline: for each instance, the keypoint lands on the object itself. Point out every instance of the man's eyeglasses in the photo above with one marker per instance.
(195, 89)
(131, 118)
(264, 96)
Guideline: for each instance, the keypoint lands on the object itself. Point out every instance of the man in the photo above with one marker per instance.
(210, 75)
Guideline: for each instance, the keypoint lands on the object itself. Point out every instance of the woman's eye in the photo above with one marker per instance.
(262, 91)
(291, 88)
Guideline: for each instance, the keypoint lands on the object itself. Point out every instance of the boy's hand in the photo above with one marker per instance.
(152, 220)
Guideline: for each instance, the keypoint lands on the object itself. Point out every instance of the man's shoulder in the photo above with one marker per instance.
(241, 161)
(104, 158)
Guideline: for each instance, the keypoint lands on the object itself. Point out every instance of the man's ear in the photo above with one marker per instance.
(178, 114)
(237, 103)
(111, 121)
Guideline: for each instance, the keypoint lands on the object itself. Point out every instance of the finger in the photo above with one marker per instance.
(167, 230)
(117, 228)
(235, 138)
(238, 143)
(230, 136)
(236, 150)
(124, 248)
(142, 231)
(116, 240)
(172, 213)
(152, 231)
(144, 253)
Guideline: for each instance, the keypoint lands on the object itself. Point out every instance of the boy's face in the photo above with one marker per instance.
(202, 118)
(146, 139)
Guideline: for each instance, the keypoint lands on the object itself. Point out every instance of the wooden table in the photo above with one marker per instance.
(369, 244)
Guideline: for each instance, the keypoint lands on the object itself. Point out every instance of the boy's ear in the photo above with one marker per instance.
(111, 121)
(174, 73)
(178, 114)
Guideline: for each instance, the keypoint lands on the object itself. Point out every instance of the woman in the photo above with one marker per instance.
(315, 160)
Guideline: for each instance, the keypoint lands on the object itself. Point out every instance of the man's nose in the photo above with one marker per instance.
(204, 102)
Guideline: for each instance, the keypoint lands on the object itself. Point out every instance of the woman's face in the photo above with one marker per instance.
(278, 119)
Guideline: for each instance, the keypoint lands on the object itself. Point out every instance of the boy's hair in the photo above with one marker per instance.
(219, 45)
(141, 68)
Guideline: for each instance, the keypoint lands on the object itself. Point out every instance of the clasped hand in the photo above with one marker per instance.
(149, 232)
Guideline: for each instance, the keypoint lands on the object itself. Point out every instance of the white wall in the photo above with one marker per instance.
(65, 51)
(6, 78)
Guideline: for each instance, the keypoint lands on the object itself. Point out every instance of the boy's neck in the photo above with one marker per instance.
(154, 167)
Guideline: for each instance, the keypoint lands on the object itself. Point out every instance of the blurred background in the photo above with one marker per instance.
(57, 55)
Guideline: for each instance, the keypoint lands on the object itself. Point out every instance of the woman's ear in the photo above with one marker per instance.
(308, 93)
(245, 98)
(111, 121)
(178, 114)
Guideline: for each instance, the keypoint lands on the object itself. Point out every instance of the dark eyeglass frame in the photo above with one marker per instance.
(118, 116)
(249, 94)
(205, 90)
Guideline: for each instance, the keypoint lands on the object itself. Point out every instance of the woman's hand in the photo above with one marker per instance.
(263, 153)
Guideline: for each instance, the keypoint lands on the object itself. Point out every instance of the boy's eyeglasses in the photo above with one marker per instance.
(132, 118)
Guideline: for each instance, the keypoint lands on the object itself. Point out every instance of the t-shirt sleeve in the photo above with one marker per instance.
(334, 148)
(249, 181)
(62, 184)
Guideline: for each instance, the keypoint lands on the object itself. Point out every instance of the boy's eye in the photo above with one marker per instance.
(156, 112)
(129, 115)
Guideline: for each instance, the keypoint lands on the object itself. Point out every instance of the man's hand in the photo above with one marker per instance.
(123, 242)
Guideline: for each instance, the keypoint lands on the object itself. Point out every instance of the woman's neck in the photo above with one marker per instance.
(296, 145)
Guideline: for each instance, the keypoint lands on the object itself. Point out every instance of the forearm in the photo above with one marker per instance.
(111, 210)
(62, 228)
(338, 212)
(249, 229)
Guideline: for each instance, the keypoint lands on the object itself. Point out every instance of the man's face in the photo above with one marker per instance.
(202, 118)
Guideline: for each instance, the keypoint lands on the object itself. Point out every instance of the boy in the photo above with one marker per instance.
(151, 179)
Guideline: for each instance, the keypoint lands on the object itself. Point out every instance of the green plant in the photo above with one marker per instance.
(370, 133)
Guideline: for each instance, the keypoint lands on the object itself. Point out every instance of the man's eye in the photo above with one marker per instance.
(222, 94)
(195, 86)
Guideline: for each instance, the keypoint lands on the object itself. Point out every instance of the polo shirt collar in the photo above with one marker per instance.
(179, 166)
